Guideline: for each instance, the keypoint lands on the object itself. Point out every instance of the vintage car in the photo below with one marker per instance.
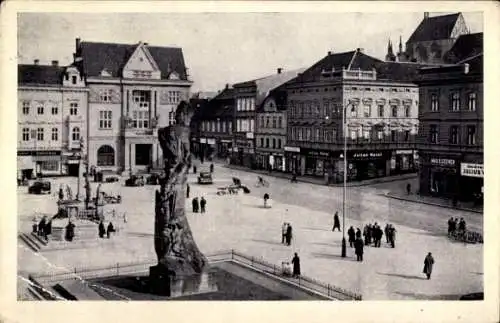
(153, 179)
(205, 178)
(111, 179)
(39, 187)
(134, 180)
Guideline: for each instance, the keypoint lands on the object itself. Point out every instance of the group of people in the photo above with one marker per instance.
(456, 226)
(199, 206)
(106, 231)
(43, 228)
(286, 233)
(374, 233)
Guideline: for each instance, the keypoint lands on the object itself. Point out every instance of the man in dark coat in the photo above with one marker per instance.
(352, 236)
(358, 233)
(48, 229)
(194, 169)
(296, 265)
(358, 248)
(461, 225)
(102, 230)
(70, 231)
(288, 237)
(41, 226)
(195, 205)
(110, 229)
(187, 190)
(392, 235)
(211, 168)
(386, 231)
(451, 222)
(408, 188)
(203, 204)
(336, 222)
(428, 264)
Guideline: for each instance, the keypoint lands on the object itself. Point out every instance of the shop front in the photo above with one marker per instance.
(439, 176)
(43, 163)
(403, 161)
(363, 165)
(318, 163)
(243, 153)
(292, 160)
(471, 183)
(224, 147)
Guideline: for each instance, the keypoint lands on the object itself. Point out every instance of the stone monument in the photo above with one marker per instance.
(174, 244)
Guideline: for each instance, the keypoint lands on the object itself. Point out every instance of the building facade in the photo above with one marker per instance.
(451, 130)
(270, 133)
(381, 117)
(216, 126)
(431, 40)
(52, 108)
(133, 90)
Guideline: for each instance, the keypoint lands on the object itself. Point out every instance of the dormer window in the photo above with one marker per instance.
(173, 76)
(73, 79)
(104, 72)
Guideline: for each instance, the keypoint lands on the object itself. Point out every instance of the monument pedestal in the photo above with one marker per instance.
(159, 280)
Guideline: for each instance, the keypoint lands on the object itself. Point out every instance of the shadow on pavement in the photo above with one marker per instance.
(276, 243)
(403, 276)
(445, 297)
(337, 244)
(427, 233)
(316, 229)
(331, 256)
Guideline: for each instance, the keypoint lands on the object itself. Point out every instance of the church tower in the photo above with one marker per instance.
(390, 57)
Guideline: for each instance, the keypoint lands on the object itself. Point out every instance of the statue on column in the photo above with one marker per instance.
(174, 244)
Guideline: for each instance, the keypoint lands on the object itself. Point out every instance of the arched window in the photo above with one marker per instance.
(105, 156)
(75, 134)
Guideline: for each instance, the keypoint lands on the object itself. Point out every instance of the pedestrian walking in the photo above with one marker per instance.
(211, 168)
(386, 231)
(266, 197)
(358, 233)
(195, 205)
(41, 226)
(110, 229)
(194, 169)
(284, 228)
(102, 230)
(352, 236)
(289, 234)
(408, 188)
(70, 231)
(296, 266)
(61, 193)
(451, 223)
(48, 229)
(336, 222)
(358, 249)
(203, 204)
(462, 226)
(188, 189)
(428, 265)
(392, 233)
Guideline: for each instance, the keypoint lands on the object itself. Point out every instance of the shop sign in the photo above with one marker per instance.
(472, 170)
(443, 162)
(226, 141)
(367, 155)
(404, 152)
(292, 149)
(249, 135)
(318, 153)
(39, 153)
(72, 161)
(203, 140)
(211, 141)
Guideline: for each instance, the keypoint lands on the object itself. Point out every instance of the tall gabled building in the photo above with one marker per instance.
(133, 90)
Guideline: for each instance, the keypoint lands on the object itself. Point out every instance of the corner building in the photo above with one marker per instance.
(381, 103)
(133, 90)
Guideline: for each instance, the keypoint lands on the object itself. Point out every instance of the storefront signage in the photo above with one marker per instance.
(318, 153)
(367, 155)
(203, 140)
(226, 141)
(211, 141)
(292, 149)
(39, 153)
(249, 135)
(472, 170)
(442, 162)
(404, 152)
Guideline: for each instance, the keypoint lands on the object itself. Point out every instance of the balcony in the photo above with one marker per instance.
(139, 128)
(74, 119)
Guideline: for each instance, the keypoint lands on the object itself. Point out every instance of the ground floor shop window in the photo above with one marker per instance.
(50, 166)
(105, 156)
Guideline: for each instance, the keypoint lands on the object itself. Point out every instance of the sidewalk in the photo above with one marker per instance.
(435, 201)
(321, 181)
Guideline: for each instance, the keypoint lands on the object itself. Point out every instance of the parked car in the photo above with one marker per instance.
(134, 180)
(39, 187)
(205, 178)
(153, 179)
(111, 179)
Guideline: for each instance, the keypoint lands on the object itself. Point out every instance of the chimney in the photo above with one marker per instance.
(280, 69)
(227, 86)
(55, 63)
(360, 49)
(36, 61)
(145, 44)
(329, 53)
(466, 68)
(77, 43)
(426, 15)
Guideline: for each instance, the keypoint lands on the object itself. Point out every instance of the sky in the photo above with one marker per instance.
(222, 48)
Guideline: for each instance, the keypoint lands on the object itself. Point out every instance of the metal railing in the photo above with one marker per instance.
(258, 263)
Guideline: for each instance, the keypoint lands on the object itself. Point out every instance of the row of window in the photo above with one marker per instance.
(454, 134)
(330, 108)
(54, 109)
(330, 135)
(245, 125)
(266, 143)
(245, 104)
(141, 98)
(354, 88)
(217, 126)
(454, 102)
(39, 134)
(270, 122)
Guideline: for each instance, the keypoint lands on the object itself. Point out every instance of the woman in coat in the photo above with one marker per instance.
(428, 264)
(288, 234)
(296, 265)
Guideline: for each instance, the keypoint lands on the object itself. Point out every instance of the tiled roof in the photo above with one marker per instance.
(398, 71)
(475, 67)
(266, 84)
(434, 28)
(39, 74)
(226, 94)
(113, 57)
(466, 46)
(336, 61)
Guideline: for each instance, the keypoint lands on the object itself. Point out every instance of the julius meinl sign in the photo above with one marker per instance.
(472, 170)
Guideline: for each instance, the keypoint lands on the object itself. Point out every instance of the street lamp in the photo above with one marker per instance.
(344, 131)
(79, 164)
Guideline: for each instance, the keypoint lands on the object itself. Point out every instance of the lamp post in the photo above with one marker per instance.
(344, 131)
(79, 172)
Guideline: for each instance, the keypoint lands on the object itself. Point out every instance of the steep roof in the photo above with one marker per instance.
(226, 94)
(113, 57)
(266, 84)
(353, 60)
(466, 46)
(39, 74)
(435, 28)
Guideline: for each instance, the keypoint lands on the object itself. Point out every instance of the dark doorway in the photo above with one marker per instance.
(143, 154)
(73, 170)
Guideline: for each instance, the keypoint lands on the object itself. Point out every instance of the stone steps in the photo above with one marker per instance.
(29, 241)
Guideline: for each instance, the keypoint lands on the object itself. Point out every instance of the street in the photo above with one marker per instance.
(240, 222)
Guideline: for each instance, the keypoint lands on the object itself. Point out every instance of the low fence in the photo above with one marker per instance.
(467, 236)
(85, 273)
